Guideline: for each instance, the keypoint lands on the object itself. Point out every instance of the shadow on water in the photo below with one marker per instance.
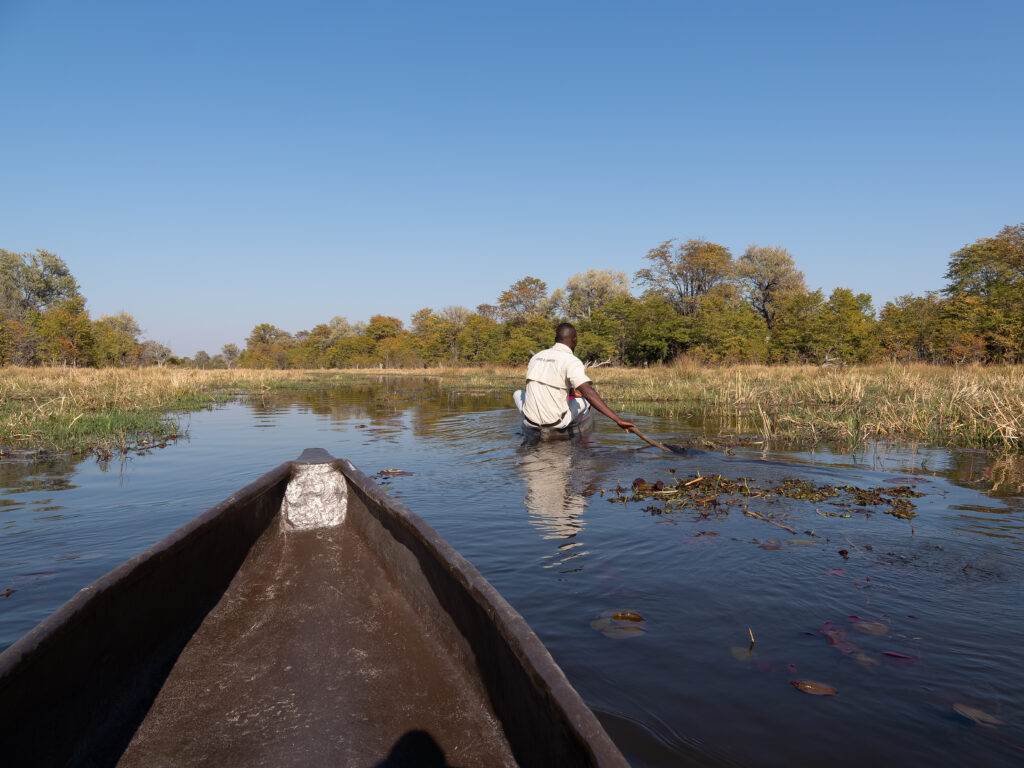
(912, 621)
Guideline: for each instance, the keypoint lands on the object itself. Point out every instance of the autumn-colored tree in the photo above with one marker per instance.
(266, 347)
(383, 326)
(65, 333)
(986, 292)
(523, 299)
(684, 274)
(18, 340)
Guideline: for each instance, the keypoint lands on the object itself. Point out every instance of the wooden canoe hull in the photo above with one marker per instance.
(583, 426)
(77, 689)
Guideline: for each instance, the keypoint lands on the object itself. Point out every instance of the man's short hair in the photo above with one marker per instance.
(563, 330)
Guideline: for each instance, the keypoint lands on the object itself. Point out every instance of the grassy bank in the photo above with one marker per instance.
(983, 407)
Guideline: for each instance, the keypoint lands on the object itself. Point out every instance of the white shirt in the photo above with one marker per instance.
(549, 377)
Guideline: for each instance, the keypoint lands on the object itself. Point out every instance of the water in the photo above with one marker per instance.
(536, 521)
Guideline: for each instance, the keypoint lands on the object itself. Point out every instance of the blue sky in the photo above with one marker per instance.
(207, 166)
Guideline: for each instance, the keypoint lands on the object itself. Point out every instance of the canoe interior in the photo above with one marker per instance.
(235, 641)
(582, 427)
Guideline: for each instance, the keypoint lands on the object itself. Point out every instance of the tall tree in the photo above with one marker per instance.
(770, 277)
(586, 292)
(382, 327)
(908, 328)
(230, 354)
(65, 333)
(988, 276)
(522, 300)
(116, 340)
(684, 274)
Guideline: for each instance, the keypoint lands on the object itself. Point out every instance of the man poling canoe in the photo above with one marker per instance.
(552, 377)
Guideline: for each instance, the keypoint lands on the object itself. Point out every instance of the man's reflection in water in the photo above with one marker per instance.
(553, 500)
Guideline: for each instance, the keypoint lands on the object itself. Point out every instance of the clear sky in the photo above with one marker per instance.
(207, 166)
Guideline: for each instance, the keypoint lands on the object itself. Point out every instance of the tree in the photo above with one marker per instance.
(201, 359)
(230, 353)
(65, 333)
(116, 340)
(266, 347)
(453, 320)
(727, 329)
(480, 339)
(770, 277)
(34, 281)
(489, 311)
(586, 292)
(908, 328)
(988, 277)
(849, 326)
(684, 274)
(798, 335)
(342, 328)
(154, 353)
(522, 300)
(383, 326)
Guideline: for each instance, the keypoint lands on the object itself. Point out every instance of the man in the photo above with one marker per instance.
(551, 377)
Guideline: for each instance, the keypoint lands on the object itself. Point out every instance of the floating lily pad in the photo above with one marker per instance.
(978, 716)
(812, 687)
(619, 625)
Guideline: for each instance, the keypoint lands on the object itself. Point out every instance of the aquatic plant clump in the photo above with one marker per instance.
(704, 494)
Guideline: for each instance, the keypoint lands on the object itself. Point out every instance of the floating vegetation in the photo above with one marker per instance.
(977, 716)
(813, 688)
(619, 625)
(704, 494)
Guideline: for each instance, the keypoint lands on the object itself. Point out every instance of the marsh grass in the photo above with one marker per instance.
(983, 407)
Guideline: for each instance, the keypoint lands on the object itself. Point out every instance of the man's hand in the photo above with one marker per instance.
(586, 389)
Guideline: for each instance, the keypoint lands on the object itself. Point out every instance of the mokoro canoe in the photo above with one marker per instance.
(309, 619)
(578, 428)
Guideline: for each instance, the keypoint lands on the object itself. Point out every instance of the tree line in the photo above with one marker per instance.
(693, 298)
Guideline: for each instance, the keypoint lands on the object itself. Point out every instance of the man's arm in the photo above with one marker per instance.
(587, 390)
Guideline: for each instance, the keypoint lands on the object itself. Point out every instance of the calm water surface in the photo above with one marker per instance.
(946, 588)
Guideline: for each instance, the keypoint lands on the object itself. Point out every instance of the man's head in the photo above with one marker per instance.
(565, 333)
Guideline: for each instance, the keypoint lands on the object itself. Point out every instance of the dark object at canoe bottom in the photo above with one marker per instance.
(576, 429)
(309, 619)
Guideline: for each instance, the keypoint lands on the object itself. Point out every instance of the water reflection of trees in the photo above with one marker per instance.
(382, 398)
